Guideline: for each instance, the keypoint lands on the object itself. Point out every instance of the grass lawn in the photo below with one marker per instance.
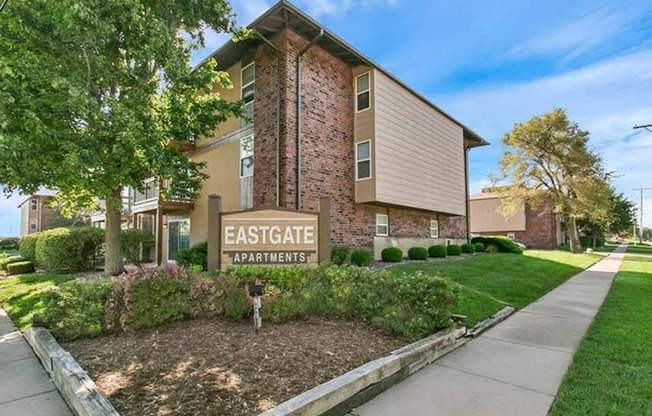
(490, 281)
(611, 373)
(22, 296)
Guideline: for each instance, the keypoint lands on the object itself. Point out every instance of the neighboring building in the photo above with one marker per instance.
(392, 163)
(36, 214)
(536, 228)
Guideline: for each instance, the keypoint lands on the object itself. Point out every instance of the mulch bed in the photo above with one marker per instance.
(220, 367)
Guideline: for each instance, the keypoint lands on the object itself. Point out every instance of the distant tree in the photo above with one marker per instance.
(92, 94)
(619, 218)
(547, 160)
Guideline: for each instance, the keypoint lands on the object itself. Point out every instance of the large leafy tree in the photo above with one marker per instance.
(619, 218)
(547, 160)
(94, 92)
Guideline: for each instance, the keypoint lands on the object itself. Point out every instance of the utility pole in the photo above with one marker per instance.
(640, 231)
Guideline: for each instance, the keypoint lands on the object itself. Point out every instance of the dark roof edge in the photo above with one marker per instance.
(468, 133)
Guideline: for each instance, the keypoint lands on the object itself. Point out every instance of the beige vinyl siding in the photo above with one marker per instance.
(486, 217)
(229, 94)
(364, 129)
(419, 152)
(222, 164)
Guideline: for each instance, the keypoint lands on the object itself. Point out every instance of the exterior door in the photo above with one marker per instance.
(178, 237)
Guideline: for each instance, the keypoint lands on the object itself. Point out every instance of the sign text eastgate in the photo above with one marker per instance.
(265, 234)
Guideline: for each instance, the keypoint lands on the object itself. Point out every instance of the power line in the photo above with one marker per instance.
(645, 126)
(4, 3)
(641, 216)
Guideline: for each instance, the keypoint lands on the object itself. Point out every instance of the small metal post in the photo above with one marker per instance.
(258, 321)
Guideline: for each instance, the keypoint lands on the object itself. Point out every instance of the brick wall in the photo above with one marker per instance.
(327, 143)
(540, 228)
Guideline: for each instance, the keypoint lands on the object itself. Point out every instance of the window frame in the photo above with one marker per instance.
(33, 205)
(358, 93)
(246, 156)
(511, 235)
(386, 225)
(357, 161)
(243, 123)
(437, 228)
(33, 224)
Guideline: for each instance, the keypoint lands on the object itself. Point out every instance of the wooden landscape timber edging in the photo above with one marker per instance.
(75, 385)
(348, 391)
(492, 321)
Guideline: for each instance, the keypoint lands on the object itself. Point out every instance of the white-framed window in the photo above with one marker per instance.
(362, 92)
(247, 93)
(382, 225)
(511, 235)
(246, 156)
(33, 204)
(33, 224)
(434, 229)
(363, 160)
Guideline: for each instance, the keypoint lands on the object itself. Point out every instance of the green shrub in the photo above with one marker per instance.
(340, 254)
(437, 251)
(468, 248)
(587, 241)
(69, 249)
(453, 250)
(501, 243)
(77, 309)
(27, 247)
(361, 258)
(563, 247)
(391, 255)
(195, 255)
(418, 253)
(22, 267)
(134, 242)
(479, 247)
(5, 261)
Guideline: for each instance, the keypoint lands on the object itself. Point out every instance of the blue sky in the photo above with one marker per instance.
(494, 63)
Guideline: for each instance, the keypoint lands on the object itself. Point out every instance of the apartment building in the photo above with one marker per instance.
(536, 227)
(36, 214)
(323, 121)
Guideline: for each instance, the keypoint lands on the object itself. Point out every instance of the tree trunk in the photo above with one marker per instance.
(112, 250)
(595, 241)
(576, 246)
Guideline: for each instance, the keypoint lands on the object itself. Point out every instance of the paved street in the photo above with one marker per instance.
(516, 367)
(25, 388)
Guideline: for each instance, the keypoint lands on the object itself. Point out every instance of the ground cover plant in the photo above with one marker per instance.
(491, 281)
(611, 372)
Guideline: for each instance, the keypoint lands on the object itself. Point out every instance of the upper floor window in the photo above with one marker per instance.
(382, 225)
(363, 160)
(247, 93)
(434, 229)
(246, 156)
(33, 205)
(362, 92)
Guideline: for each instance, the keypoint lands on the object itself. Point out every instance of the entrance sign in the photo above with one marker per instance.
(269, 236)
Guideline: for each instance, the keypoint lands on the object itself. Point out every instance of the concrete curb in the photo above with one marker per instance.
(76, 387)
(350, 390)
(492, 321)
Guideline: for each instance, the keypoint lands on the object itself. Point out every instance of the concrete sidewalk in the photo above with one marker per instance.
(514, 368)
(25, 388)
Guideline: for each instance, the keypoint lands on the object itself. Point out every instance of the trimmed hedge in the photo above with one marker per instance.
(501, 243)
(6, 261)
(479, 247)
(21, 267)
(437, 251)
(418, 253)
(468, 248)
(69, 249)
(196, 255)
(412, 305)
(391, 255)
(453, 250)
(27, 247)
(340, 254)
(361, 258)
(131, 241)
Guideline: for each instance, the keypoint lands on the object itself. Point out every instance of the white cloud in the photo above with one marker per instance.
(578, 35)
(318, 8)
(607, 98)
